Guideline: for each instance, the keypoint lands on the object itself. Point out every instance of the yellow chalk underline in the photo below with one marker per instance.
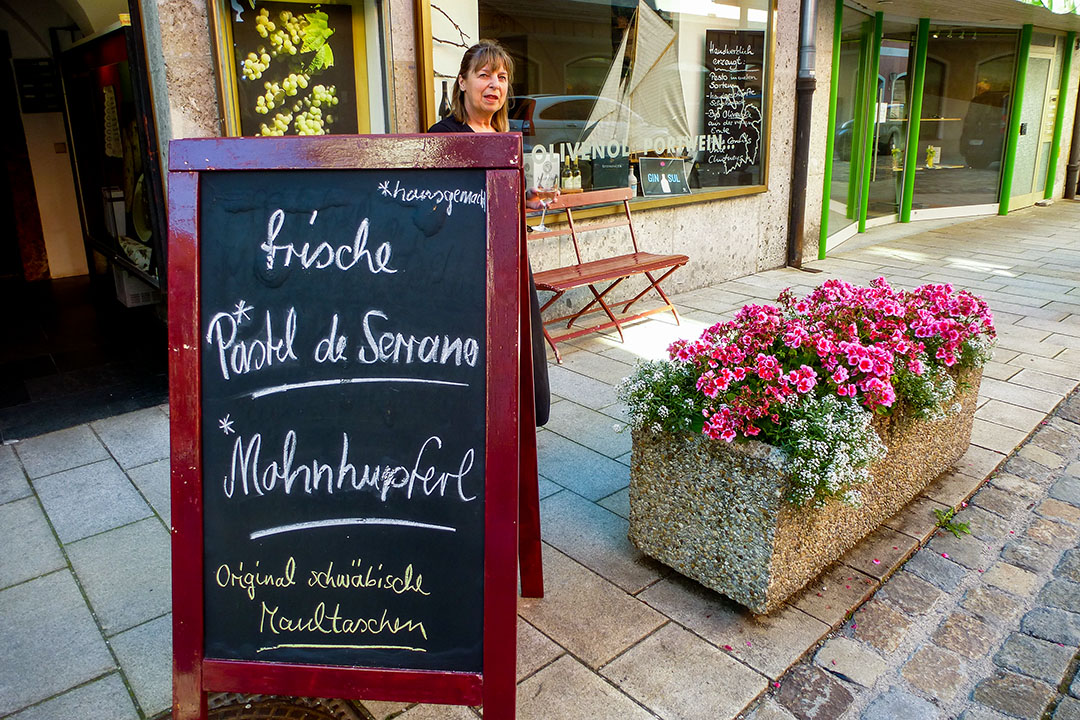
(342, 647)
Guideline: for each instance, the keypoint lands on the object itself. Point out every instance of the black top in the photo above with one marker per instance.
(450, 124)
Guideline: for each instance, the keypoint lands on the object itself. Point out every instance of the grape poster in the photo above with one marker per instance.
(294, 68)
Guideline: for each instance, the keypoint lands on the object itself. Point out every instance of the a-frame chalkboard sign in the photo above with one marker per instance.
(344, 325)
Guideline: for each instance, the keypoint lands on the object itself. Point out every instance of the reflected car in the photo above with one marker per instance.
(983, 134)
(552, 119)
(890, 137)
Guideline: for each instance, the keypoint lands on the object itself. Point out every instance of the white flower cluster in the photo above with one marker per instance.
(831, 444)
(660, 395)
(928, 394)
(977, 351)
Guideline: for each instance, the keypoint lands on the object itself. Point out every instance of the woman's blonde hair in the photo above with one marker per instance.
(494, 55)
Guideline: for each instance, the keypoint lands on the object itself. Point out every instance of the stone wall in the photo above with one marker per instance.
(186, 62)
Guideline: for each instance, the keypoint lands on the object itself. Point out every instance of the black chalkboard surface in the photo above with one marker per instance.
(735, 67)
(343, 398)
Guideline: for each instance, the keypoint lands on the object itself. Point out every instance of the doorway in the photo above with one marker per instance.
(22, 243)
(1036, 121)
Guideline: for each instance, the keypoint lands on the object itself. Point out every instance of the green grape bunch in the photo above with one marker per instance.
(255, 64)
(286, 35)
(297, 47)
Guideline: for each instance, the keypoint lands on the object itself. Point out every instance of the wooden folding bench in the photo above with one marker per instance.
(606, 273)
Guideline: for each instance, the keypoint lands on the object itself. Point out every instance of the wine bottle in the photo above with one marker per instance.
(575, 175)
(565, 179)
(444, 106)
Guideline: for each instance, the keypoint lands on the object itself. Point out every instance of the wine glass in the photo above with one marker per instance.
(546, 191)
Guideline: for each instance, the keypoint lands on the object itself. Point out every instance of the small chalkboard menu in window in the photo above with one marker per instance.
(735, 72)
(343, 331)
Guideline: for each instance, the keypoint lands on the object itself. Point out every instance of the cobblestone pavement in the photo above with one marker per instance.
(979, 626)
(85, 595)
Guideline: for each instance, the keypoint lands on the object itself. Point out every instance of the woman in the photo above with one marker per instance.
(478, 104)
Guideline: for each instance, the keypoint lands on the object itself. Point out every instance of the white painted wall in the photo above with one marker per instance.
(100, 14)
(55, 191)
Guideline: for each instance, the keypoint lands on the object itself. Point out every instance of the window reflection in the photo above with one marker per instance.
(890, 122)
(609, 82)
(965, 116)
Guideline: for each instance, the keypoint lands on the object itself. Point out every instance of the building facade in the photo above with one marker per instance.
(919, 111)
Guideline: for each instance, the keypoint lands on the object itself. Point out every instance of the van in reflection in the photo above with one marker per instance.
(983, 134)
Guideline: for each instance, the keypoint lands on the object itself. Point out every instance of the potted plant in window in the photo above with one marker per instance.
(770, 445)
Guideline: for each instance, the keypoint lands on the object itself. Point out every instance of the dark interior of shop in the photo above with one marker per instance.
(70, 351)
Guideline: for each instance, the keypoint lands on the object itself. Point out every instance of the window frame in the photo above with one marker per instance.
(227, 77)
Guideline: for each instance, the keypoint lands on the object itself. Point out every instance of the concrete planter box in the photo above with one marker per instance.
(715, 512)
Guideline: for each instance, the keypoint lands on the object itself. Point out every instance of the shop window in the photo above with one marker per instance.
(586, 75)
(300, 68)
(966, 100)
(620, 80)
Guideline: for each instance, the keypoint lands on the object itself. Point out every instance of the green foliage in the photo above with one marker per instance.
(944, 521)
(929, 395)
(317, 32)
(324, 58)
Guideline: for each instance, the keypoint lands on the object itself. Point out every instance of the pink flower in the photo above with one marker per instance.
(752, 368)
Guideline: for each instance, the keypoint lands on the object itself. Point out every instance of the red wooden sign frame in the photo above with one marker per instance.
(507, 334)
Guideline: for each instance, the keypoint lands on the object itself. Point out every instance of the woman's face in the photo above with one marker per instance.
(484, 90)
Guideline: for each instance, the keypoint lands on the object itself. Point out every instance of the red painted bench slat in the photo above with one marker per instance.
(610, 270)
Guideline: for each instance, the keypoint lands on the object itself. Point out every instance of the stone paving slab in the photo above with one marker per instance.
(135, 438)
(769, 644)
(103, 699)
(29, 548)
(125, 573)
(587, 615)
(60, 450)
(90, 499)
(153, 481)
(596, 538)
(576, 467)
(145, 656)
(567, 690)
(13, 484)
(50, 641)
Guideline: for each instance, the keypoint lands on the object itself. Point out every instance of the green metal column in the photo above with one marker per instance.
(911, 154)
(830, 140)
(871, 119)
(1059, 117)
(1014, 120)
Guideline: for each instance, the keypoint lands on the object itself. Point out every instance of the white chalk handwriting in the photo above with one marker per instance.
(324, 255)
(250, 475)
(448, 196)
